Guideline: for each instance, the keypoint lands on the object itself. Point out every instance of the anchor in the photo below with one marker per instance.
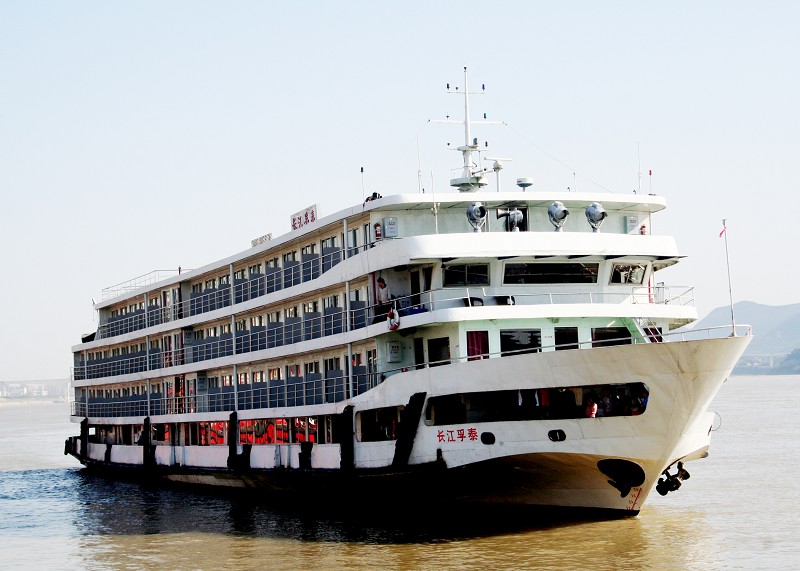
(671, 482)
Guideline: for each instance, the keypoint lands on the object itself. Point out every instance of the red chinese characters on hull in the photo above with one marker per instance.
(457, 435)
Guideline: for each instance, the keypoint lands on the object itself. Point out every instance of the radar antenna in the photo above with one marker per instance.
(472, 176)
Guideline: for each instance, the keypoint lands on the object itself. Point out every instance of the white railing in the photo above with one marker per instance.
(278, 335)
(138, 282)
(297, 391)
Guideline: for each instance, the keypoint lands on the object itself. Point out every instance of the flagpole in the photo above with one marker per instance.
(728, 264)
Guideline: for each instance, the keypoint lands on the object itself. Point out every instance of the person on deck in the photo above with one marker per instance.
(384, 296)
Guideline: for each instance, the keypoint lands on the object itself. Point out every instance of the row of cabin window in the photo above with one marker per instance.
(215, 433)
(515, 273)
(291, 256)
(118, 392)
(117, 351)
(134, 307)
(252, 270)
(155, 343)
(245, 324)
(125, 310)
(255, 269)
(212, 283)
(246, 377)
(305, 308)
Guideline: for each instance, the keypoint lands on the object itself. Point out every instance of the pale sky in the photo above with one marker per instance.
(145, 135)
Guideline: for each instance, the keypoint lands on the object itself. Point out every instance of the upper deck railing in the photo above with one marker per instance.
(277, 279)
(273, 280)
(336, 320)
(332, 386)
(138, 282)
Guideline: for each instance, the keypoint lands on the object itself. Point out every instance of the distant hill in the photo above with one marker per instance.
(776, 331)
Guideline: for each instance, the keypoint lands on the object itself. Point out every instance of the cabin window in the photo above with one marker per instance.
(257, 321)
(227, 380)
(258, 376)
(439, 351)
(211, 284)
(301, 430)
(625, 399)
(212, 433)
(290, 256)
(246, 435)
(312, 429)
(379, 424)
(238, 274)
(333, 364)
(477, 345)
(274, 374)
(308, 250)
(607, 336)
(331, 301)
(353, 246)
(627, 274)
(224, 280)
(542, 273)
(254, 270)
(566, 338)
(466, 275)
(520, 341)
(242, 378)
(273, 263)
(256, 431)
(281, 431)
(197, 288)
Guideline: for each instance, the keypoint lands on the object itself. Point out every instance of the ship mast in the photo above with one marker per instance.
(472, 177)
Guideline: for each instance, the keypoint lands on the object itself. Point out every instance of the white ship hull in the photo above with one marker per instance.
(523, 465)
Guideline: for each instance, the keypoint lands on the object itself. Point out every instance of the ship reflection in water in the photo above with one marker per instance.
(100, 523)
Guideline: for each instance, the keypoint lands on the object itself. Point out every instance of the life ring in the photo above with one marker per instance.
(393, 319)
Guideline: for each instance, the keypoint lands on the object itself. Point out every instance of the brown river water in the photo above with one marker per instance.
(738, 511)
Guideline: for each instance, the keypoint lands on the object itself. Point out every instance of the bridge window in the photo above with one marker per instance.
(628, 274)
(466, 275)
(540, 273)
(519, 341)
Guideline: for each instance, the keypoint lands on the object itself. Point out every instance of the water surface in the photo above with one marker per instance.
(736, 512)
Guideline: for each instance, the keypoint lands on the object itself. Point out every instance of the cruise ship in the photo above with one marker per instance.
(503, 346)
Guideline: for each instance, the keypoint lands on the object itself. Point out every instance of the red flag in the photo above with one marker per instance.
(724, 228)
